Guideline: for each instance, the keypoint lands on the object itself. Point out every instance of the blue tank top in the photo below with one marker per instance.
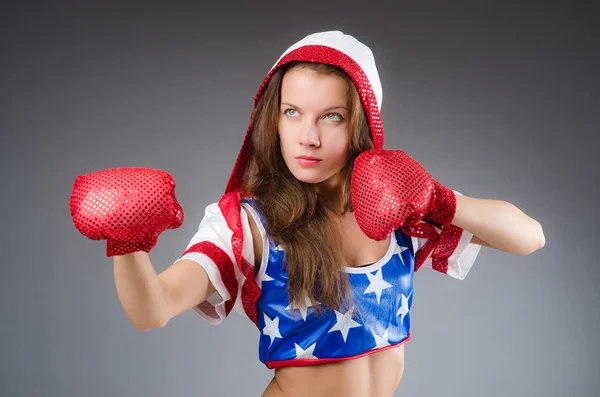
(380, 318)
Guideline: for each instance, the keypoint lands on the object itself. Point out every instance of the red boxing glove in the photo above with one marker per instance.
(390, 190)
(128, 207)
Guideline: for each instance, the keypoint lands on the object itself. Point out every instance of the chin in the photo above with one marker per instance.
(309, 179)
(313, 177)
(308, 176)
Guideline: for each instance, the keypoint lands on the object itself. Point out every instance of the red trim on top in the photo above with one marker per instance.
(225, 266)
(230, 205)
(306, 362)
(250, 292)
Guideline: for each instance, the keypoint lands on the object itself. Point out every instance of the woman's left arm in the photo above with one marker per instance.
(498, 224)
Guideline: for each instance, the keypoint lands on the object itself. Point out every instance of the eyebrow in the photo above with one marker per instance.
(325, 110)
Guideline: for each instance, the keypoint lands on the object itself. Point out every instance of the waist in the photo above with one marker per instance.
(377, 374)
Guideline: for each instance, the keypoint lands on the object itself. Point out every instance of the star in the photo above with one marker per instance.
(399, 249)
(266, 277)
(271, 328)
(343, 323)
(305, 354)
(381, 341)
(304, 310)
(403, 310)
(377, 284)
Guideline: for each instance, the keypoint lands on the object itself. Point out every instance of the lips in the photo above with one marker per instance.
(308, 161)
(308, 158)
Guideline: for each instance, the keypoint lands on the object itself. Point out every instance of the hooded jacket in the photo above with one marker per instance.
(223, 246)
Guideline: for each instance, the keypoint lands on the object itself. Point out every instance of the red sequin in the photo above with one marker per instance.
(230, 207)
(319, 54)
(391, 190)
(225, 266)
(445, 247)
(128, 207)
(442, 208)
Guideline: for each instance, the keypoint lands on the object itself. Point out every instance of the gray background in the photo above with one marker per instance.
(495, 100)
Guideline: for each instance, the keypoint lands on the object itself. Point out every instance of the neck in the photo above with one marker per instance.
(333, 199)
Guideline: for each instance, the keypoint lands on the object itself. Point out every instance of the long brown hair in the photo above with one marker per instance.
(295, 215)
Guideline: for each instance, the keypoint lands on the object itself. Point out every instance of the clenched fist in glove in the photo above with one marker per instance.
(128, 207)
(390, 190)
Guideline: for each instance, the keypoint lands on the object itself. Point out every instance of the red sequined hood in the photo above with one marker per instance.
(333, 48)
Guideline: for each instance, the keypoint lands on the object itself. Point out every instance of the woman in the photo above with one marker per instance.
(317, 237)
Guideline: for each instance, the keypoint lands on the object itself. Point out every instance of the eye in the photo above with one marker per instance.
(290, 112)
(332, 116)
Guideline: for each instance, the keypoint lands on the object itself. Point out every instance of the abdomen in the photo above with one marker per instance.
(377, 374)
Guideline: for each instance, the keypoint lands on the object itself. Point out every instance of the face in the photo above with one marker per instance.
(313, 123)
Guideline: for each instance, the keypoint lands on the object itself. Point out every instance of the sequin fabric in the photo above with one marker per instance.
(128, 207)
(230, 205)
(391, 190)
(320, 54)
(445, 246)
(442, 208)
(225, 266)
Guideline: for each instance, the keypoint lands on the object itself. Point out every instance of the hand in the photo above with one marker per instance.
(389, 190)
(128, 207)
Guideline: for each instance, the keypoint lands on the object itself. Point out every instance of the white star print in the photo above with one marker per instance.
(403, 310)
(377, 284)
(399, 249)
(343, 323)
(305, 354)
(266, 277)
(271, 328)
(381, 341)
(304, 310)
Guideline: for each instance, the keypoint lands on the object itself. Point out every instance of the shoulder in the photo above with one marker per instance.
(215, 229)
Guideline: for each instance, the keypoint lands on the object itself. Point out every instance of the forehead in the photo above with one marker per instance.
(306, 87)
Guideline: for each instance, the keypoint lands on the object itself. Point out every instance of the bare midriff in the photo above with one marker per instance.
(375, 375)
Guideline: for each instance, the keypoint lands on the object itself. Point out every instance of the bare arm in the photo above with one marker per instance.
(498, 224)
(150, 300)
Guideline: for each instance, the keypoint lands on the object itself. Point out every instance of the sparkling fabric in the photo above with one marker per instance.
(128, 207)
(230, 205)
(445, 247)
(389, 190)
(392, 190)
(442, 208)
(320, 54)
(225, 266)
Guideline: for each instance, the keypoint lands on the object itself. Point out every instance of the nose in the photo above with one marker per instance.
(310, 136)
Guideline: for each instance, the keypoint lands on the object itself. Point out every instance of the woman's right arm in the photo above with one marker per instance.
(150, 300)
(129, 208)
